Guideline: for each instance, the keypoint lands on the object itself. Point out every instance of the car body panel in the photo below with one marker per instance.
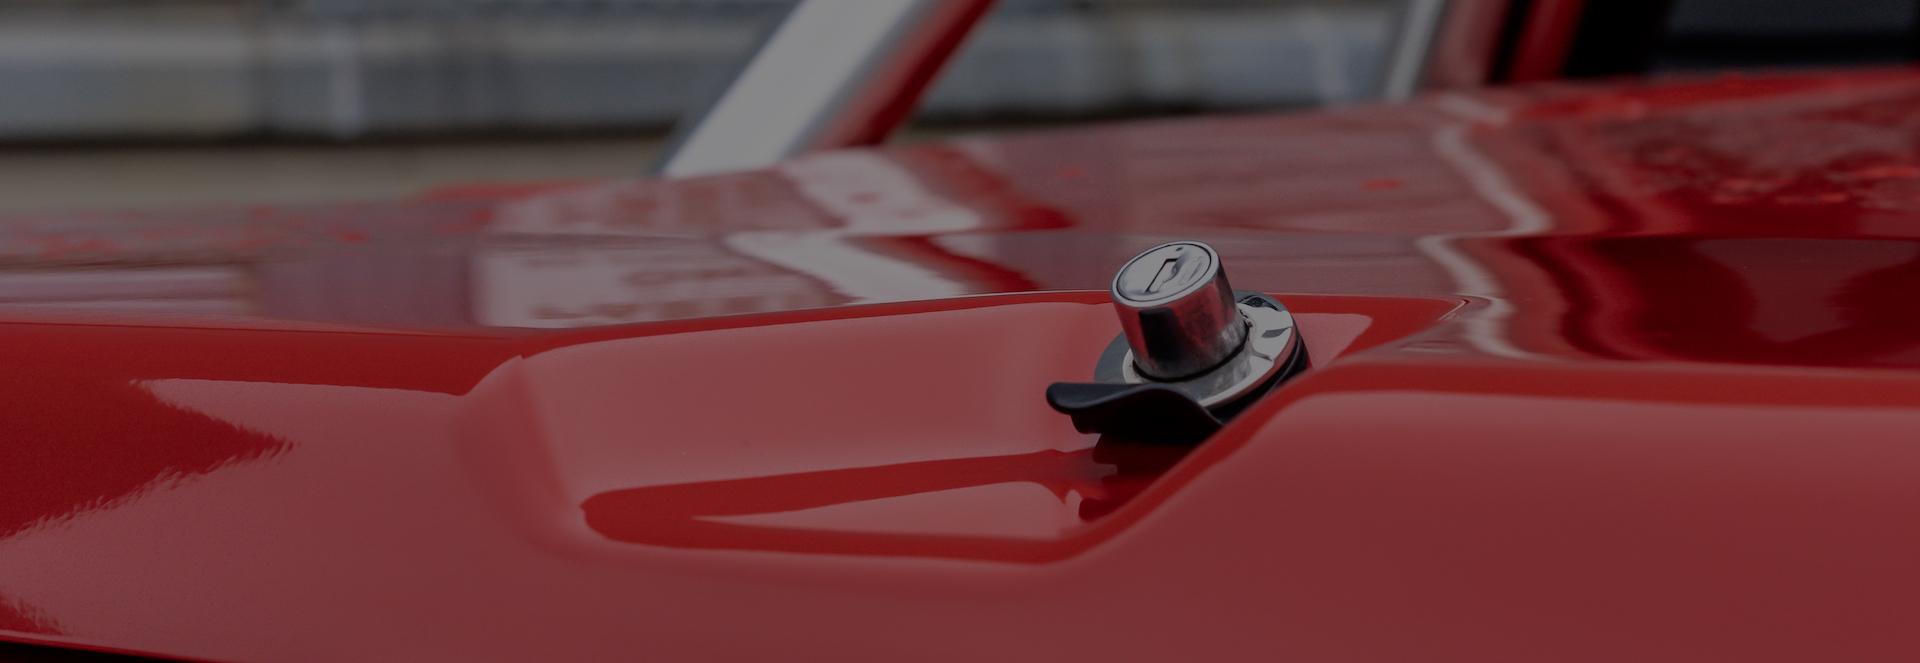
(1599, 372)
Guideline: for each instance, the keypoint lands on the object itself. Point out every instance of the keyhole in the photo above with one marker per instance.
(1169, 269)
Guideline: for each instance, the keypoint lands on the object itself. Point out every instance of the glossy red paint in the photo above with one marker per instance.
(1620, 372)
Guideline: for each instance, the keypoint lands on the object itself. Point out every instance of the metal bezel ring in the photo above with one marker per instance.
(1271, 343)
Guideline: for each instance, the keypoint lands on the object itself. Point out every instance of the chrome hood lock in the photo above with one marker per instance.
(1191, 354)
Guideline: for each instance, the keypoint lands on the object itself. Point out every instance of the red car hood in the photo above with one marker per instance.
(1600, 373)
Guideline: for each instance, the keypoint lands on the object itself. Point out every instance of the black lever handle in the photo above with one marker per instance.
(1142, 412)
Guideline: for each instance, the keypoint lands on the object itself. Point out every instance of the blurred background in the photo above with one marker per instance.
(163, 103)
(201, 118)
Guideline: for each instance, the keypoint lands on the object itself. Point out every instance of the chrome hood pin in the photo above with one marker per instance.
(1177, 311)
(1191, 352)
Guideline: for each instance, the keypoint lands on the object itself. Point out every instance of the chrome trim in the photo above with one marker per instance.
(798, 84)
(1413, 41)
